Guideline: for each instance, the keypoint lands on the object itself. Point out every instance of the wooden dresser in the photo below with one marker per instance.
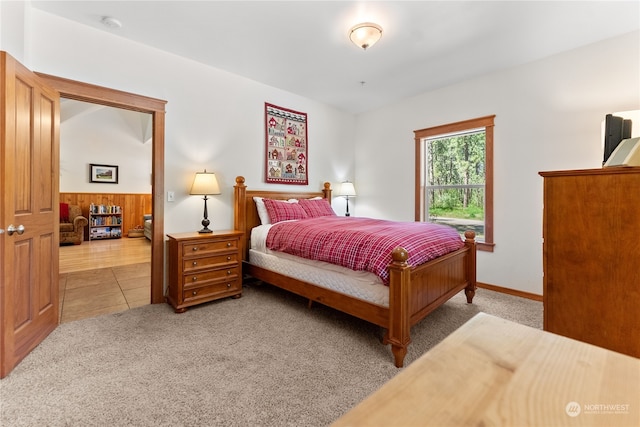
(591, 256)
(203, 267)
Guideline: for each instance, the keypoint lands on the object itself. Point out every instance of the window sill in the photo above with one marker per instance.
(484, 246)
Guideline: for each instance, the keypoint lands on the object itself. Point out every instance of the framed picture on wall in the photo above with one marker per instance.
(107, 174)
(287, 146)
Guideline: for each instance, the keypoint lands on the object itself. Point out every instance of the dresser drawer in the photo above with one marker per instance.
(196, 279)
(203, 292)
(203, 248)
(214, 261)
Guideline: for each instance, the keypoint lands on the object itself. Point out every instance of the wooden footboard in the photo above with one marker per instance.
(414, 292)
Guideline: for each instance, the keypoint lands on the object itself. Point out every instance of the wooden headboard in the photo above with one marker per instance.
(245, 212)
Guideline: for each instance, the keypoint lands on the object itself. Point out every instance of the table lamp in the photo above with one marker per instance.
(205, 184)
(347, 190)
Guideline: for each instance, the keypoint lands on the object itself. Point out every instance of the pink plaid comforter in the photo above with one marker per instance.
(362, 244)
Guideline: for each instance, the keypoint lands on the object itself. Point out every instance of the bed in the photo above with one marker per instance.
(412, 292)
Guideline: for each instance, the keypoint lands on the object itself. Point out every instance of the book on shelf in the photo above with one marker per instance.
(104, 209)
(106, 220)
(106, 232)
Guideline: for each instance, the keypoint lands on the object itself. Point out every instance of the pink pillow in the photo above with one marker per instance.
(283, 211)
(316, 207)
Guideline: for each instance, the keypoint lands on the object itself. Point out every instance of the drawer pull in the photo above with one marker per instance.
(195, 262)
(195, 292)
(228, 271)
(195, 248)
(228, 285)
(228, 258)
(228, 244)
(194, 278)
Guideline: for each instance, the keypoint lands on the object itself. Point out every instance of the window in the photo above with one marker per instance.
(454, 177)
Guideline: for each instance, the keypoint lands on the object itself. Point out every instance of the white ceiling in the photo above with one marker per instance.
(303, 46)
(138, 124)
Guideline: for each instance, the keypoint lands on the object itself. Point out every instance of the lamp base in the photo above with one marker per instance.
(205, 226)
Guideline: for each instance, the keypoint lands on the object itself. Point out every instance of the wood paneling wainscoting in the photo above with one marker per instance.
(134, 206)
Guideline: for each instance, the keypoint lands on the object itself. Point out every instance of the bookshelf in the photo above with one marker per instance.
(105, 222)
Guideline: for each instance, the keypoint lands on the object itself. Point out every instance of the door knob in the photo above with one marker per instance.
(12, 229)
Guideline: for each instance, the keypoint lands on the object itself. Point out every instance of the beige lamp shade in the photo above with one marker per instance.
(347, 189)
(205, 183)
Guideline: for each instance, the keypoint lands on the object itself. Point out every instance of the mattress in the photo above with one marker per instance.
(358, 284)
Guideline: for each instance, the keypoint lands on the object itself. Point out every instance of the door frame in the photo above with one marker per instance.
(156, 107)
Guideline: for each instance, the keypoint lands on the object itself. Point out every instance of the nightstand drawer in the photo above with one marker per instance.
(211, 290)
(202, 248)
(210, 262)
(205, 276)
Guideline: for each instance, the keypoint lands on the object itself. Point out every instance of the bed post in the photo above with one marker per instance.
(398, 333)
(470, 242)
(240, 213)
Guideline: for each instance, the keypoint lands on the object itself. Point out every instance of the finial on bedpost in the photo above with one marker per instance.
(400, 255)
(469, 235)
(240, 180)
(326, 191)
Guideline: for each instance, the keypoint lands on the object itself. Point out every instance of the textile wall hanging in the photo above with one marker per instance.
(287, 146)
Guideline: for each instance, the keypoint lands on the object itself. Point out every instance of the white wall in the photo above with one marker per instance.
(95, 134)
(14, 28)
(548, 117)
(214, 119)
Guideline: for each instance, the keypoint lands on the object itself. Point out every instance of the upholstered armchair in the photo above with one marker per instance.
(72, 224)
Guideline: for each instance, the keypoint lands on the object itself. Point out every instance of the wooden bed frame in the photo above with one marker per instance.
(414, 292)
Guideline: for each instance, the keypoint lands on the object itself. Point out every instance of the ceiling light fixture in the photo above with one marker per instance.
(110, 22)
(365, 35)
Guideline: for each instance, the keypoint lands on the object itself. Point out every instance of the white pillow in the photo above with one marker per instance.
(262, 211)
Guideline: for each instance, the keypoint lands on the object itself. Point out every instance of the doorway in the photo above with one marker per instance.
(105, 275)
(114, 98)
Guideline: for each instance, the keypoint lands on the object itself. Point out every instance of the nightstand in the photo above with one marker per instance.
(203, 267)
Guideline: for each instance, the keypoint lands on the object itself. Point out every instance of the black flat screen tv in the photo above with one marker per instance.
(615, 130)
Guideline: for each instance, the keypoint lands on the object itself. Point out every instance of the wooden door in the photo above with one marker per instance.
(29, 211)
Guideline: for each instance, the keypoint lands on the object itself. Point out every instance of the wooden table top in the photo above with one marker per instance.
(493, 372)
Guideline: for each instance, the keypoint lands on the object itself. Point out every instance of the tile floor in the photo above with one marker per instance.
(90, 293)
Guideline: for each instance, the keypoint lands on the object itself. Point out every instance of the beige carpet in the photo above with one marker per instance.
(262, 360)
